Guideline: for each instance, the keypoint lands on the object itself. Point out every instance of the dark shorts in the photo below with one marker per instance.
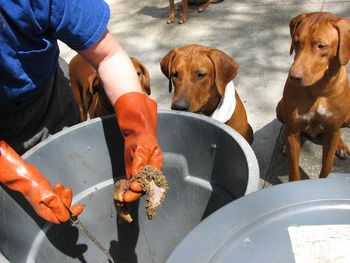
(27, 123)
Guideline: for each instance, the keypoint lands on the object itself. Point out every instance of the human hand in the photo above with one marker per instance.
(137, 119)
(52, 204)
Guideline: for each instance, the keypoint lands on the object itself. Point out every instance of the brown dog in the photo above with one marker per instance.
(316, 96)
(201, 77)
(184, 6)
(88, 91)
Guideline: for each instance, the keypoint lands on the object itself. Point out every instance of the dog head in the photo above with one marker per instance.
(199, 75)
(143, 75)
(87, 87)
(100, 104)
(321, 42)
(95, 84)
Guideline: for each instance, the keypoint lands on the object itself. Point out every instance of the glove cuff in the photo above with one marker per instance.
(15, 173)
(136, 114)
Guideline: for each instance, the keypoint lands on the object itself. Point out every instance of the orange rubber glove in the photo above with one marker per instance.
(137, 119)
(50, 204)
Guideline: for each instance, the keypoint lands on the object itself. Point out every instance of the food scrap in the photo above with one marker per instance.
(154, 185)
(121, 186)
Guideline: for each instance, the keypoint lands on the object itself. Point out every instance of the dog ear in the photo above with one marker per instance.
(225, 67)
(165, 65)
(94, 82)
(146, 80)
(343, 27)
(293, 25)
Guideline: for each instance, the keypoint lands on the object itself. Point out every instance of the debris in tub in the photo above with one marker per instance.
(154, 185)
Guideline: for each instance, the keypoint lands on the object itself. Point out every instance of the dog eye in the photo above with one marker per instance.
(321, 46)
(138, 73)
(174, 74)
(201, 75)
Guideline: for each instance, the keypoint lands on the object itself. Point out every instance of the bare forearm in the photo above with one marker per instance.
(114, 67)
(119, 76)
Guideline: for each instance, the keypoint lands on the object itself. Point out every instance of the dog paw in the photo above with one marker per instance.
(182, 20)
(203, 7)
(342, 151)
(170, 20)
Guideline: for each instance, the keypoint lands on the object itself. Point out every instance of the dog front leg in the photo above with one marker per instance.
(330, 144)
(342, 151)
(184, 15)
(171, 16)
(293, 151)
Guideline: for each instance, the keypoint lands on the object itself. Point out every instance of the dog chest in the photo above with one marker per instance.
(315, 121)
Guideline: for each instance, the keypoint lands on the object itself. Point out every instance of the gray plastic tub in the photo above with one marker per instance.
(294, 222)
(207, 165)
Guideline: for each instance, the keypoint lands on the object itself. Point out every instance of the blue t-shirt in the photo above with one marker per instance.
(29, 30)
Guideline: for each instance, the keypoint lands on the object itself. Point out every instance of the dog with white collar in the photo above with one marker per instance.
(203, 83)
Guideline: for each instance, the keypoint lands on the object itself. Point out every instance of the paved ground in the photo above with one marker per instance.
(255, 33)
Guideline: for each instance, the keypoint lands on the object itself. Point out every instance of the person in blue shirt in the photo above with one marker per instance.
(36, 99)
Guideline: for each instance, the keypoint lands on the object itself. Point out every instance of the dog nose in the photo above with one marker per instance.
(295, 75)
(181, 104)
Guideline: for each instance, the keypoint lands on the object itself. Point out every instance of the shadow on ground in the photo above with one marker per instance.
(310, 159)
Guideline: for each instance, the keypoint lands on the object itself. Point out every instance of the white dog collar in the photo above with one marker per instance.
(227, 104)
